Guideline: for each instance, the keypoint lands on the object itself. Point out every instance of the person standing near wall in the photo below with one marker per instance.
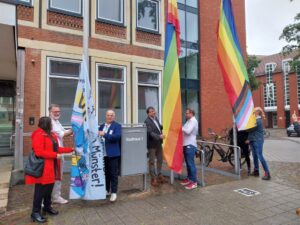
(190, 131)
(111, 132)
(155, 138)
(60, 132)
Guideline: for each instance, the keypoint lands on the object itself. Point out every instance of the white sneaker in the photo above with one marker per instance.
(60, 200)
(113, 197)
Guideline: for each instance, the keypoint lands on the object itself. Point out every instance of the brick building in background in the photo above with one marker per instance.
(126, 51)
(279, 92)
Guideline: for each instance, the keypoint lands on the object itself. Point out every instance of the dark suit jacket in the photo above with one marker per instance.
(112, 139)
(153, 133)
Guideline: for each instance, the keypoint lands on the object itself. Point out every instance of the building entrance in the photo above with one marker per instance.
(7, 116)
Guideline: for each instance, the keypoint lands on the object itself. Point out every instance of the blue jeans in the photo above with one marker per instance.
(257, 152)
(189, 152)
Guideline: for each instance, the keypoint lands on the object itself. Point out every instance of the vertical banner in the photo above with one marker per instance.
(87, 175)
(233, 68)
(172, 117)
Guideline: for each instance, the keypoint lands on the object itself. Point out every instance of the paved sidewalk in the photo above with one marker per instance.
(213, 205)
(216, 204)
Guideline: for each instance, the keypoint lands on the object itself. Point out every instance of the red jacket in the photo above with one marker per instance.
(43, 147)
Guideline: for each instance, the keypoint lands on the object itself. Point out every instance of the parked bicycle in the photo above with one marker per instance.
(224, 154)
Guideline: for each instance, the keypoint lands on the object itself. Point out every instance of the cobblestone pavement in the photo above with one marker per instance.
(214, 204)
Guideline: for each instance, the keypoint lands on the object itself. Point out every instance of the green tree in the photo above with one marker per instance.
(253, 63)
(291, 34)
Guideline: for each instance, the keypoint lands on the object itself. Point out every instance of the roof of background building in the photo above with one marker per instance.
(276, 58)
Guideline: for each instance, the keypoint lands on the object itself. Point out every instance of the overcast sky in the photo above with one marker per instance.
(265, 20)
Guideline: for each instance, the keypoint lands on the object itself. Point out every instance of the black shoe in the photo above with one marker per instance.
(50, 211)
(37, 217)
(255, 173)
(267, 176)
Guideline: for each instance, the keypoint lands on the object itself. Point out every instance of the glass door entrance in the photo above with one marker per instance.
(7, 117)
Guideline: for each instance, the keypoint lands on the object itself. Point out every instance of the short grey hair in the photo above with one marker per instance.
(53, 106)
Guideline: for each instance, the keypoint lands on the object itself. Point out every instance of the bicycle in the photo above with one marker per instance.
(224, 156)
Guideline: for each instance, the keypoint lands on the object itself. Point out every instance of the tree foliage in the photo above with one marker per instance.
(253, 63)
(291, 34)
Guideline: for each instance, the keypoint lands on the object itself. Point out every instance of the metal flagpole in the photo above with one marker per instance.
(236, 152)
(86, 34)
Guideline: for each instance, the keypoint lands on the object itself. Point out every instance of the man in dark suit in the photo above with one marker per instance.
(154, 144)
(110, 131)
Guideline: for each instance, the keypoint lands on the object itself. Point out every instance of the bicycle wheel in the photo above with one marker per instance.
(208, 154)
(231, 158)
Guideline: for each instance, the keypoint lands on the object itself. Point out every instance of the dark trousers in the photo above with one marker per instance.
(42, 194)
(112, 165)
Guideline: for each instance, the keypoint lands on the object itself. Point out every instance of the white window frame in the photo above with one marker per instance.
(26, 2)
(148, 85)
(69, 12)
(273, 64)
(286, 83)
(158, 17)
(57, 77)
(110, 20)
(124, 82)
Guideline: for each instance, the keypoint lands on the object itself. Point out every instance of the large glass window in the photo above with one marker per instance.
(67, 6)
(111, 10)
(25, 2)
(189, 55)
(270, 95)
(148, 92)
(111, 91)
(63, 77)
(286, 69)
(148, 15)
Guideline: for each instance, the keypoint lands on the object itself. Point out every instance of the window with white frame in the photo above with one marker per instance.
(111, 91)
(269, 69)
(25, 2)
(286, 69)
(62, 82)
(112, 10)
(148, 15)
(73, 7)
(270, 95)
(148, 82)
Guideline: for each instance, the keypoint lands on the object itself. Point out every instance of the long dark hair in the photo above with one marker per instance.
(45, 124)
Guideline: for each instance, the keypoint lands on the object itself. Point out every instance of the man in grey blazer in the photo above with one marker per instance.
(154, 144)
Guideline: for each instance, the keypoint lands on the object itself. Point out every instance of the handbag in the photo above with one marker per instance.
(34, 165)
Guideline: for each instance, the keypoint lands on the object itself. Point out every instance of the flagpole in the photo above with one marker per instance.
(86, 33)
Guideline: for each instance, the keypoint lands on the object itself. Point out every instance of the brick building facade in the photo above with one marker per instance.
(126, 52)
(279, 92)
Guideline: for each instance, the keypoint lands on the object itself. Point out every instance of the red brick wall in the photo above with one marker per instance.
(25, 13)
(148, 38)
(65, 21)
(32, 92)
(215, 109)
(293, 94)
(258, 96)
(278, 79)
(110, 30)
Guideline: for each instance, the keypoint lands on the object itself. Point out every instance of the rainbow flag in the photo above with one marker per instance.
(172, 121)
(234, 71)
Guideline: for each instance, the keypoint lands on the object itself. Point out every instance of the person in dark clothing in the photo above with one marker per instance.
(110, 132)
(296, 123)
(242, 137)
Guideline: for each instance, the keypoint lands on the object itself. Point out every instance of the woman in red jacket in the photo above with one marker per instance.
(45, 145)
